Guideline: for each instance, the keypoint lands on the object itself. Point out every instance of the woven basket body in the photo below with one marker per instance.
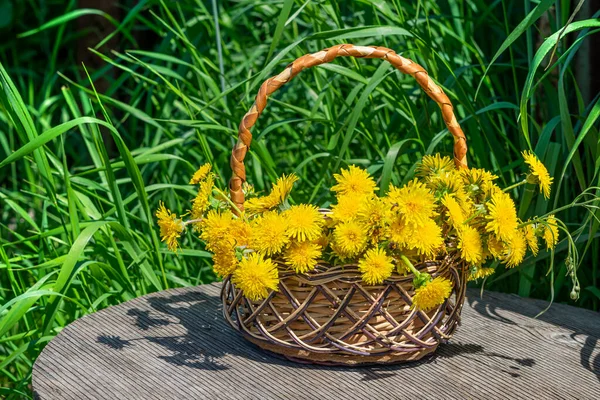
(329, 316)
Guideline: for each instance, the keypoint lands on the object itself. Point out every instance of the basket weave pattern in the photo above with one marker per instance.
(329, 316)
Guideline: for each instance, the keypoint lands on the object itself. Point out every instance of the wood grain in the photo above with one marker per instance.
(176, 345)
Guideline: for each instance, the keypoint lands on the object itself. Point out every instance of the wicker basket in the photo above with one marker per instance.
(328, 316)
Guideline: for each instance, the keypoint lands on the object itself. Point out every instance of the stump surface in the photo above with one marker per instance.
(175, 344)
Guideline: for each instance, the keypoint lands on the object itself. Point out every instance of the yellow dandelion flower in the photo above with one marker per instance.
(305, 222)
(376, 266)
(538, 174)
(399, 231)
(515, 249)
(354, 180)
(375, 214)
(469, 244)
(256, 205)
(495, 247)
(202, 200)
(269, 233)
(477, 177)
(531, 239)
(224, 261)
(414, 202)
(479, 181)
(426, 239)
(502, 216)
(216, 229)
(278, 194)
(455, 211)
(432, 294)
(171, 227)
(256, 276)
(434, 164)
(445, 182)
(466, 202)
(284, 186)
(350, 238)
(202, 173)
(347, 207)
(551, 232)
(241, 232)
(490, 189)
(303, 256)
(481, 272)
(322, 241)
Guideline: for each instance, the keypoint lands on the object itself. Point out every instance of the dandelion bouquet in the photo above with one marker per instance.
(443, 212)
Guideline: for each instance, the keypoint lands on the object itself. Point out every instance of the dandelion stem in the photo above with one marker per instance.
(511, 187)
(409, 265)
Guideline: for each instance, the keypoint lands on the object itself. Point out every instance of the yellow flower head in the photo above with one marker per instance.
(495, 247)
(224, 260)
(322, 241)
(255, 276)
(347, 206)
(551, 232)
(515, 249)
(216, 229)
(479, 181)
(284, 186)
(303, 256)
(414, 202)
(426, 239)
(349, 238)
(354, 180)
(538, 174)
(305, 222)
(278, 194)
(171, 227)
(202, 200)
(202, 173)
(269, 233)
(432, 294)
(434, 164)
(241, 232)
(446, 182)
(376, 266)
(481, 272)
(454, 210)
(469, 244)
(399, 232)
(531, 238)
(502, 216)
(375, 214)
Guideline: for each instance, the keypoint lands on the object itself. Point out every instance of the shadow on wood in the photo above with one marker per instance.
(176, 344)
(585, 324)
(192, 349)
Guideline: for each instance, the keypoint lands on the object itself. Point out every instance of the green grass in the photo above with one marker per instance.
(83, 171)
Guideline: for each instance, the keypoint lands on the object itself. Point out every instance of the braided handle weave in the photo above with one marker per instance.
(404, 65)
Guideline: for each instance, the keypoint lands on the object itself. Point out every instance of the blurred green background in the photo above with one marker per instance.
(106, 107)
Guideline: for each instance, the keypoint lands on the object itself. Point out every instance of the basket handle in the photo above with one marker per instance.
(269, 86)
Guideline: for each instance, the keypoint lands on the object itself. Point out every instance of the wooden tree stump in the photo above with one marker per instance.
(176, 345)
